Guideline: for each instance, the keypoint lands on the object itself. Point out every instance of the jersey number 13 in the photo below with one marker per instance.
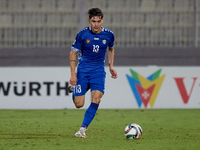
(95, 48)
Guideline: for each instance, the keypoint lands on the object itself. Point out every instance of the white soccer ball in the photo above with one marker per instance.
(133, 131)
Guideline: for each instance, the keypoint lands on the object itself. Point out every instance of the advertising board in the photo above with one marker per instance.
(136, 87)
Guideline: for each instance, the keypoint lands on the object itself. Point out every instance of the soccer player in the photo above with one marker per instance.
(91, 44)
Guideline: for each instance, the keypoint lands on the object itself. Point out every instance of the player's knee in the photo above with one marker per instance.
(79, 105)
(96, 100)
(79, 101)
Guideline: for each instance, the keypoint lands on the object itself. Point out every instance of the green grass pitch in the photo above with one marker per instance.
(163, 129)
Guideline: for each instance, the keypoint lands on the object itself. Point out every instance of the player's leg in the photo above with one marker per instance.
(79, 90)
(78, 94)
(79, 101)
(72, 89)
(97, 85)
(92, 109)
(90, 113)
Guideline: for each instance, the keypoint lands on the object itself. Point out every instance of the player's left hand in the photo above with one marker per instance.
(113, 73)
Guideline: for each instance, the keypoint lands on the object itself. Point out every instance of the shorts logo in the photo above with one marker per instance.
(144, 89)
(104, 41)
(87, 41)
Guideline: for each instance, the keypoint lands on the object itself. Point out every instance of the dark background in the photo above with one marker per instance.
(123, 57)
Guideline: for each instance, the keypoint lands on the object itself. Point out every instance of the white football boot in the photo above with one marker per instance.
(81, 133)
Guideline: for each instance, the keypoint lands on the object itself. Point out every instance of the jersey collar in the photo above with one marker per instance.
(101, 27)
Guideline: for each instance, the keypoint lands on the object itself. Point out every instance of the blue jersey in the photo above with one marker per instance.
(92, 48)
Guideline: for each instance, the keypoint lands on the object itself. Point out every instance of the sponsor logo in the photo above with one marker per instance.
(96, 38)
(144, 89)
(33, 88)
(182, 89)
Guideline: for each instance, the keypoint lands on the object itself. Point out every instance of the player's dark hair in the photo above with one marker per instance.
(95, 12)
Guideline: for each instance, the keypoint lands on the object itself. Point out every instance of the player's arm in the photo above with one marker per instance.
(111, 55)
(72, 62)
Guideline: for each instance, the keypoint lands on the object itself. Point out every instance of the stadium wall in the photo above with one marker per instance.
(123, 57)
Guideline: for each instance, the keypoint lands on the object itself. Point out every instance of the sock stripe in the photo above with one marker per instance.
(94, 106)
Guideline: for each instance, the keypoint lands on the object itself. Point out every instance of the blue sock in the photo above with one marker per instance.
(89, 114)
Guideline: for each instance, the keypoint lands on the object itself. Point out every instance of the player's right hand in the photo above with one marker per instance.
(73, 79)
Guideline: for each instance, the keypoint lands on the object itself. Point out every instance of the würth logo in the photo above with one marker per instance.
(33, 88)
(182, 89)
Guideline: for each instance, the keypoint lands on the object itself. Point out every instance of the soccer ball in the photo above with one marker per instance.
(133, 131)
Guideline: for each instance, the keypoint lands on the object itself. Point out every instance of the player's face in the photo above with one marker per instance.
(96, 22)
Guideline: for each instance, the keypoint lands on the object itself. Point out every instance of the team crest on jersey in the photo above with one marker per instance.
(87, 41)
(104, 41)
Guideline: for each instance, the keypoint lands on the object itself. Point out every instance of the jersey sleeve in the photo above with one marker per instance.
(76, 46)
(112, 39)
